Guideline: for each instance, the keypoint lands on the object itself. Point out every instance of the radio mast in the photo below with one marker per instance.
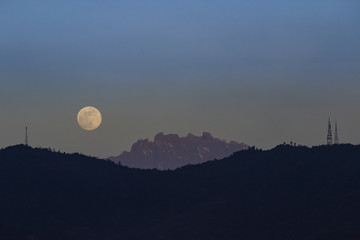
(26, 136)
(336, 138)
(329, 135)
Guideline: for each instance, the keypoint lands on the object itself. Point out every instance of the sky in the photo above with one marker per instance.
(255, 71)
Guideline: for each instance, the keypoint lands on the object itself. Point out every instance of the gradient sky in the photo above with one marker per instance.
(258, 71)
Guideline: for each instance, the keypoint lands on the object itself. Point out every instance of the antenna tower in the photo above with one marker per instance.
(336, 138)
(329, 135)
(26, 136)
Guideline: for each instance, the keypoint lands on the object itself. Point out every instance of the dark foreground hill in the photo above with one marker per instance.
(171, 151)
(287, 193)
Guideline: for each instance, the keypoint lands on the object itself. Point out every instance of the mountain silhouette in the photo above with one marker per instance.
(171, 151)
(286, 193)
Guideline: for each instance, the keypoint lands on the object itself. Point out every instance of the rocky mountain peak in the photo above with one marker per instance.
(207, 135)
(169, 151)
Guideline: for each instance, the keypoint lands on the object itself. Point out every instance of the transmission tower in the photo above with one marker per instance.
(336, 138)
(26, 136)
(329, 135)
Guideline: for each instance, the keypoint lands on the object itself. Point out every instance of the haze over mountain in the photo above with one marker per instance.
(287, 193)
(171, 151)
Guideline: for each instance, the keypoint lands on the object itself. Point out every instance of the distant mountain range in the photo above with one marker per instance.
(286, 193)
(171, 151)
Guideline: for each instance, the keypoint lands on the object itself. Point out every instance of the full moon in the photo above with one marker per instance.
(89, 118)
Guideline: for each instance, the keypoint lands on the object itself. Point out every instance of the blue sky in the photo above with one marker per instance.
(262, 72)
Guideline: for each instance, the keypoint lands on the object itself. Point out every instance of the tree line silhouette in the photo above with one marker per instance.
(289, 192)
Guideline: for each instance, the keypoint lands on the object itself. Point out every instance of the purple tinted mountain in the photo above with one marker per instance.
(171, 151)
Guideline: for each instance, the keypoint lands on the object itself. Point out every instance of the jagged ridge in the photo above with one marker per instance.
(171, 151)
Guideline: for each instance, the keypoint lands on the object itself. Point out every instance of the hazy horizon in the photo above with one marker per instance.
(257, 72)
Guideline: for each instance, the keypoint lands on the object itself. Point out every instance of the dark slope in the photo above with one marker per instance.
(285, 193)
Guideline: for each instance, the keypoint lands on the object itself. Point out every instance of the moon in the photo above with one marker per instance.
(89, 118)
